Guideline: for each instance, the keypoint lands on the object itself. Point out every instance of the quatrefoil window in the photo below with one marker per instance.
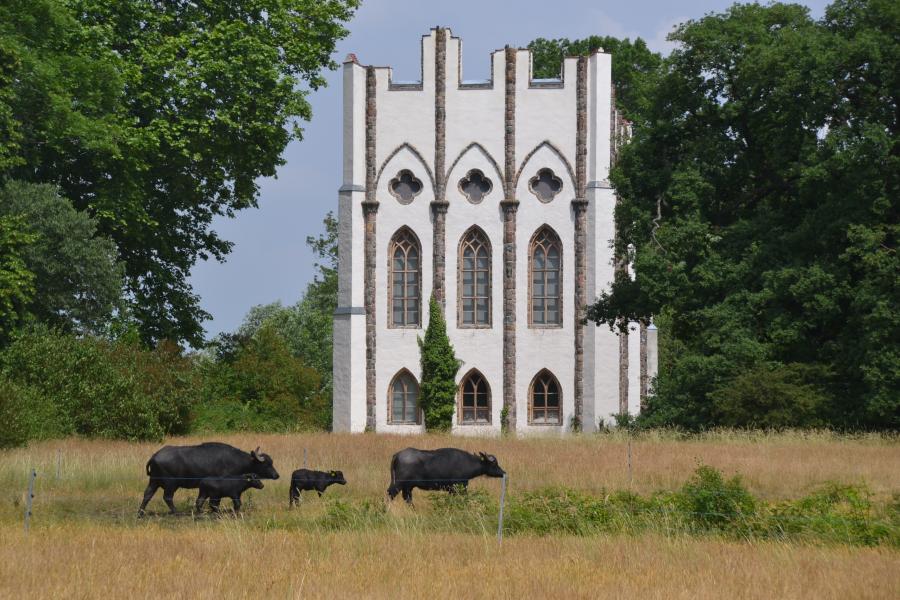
(545, 185)
(475, 186)
(405, 186)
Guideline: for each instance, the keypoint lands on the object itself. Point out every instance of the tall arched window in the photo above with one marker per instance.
(405, 279)
(545, 279)
(474, 400)
(403, 399)
(545, 400)
(474, 285)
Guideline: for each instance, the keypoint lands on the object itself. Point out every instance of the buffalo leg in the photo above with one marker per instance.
(294, 496)
(236, 504)
(214, 504)
(168, 496)
(148, 495)
(201, 499)
(393, 490)
(407, 494)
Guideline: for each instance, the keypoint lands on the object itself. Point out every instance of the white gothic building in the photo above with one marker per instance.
(494, 197)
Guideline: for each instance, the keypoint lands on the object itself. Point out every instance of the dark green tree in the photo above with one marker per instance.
(78, 281)
(156, 117)
(634, 66)
(437, 394)
(759, 206)
(16, 281)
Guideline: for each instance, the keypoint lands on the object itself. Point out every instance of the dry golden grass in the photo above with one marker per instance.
(773, 466)
(86, 541)
(229, 561)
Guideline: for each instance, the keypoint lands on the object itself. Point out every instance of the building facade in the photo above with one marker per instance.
(493, 196)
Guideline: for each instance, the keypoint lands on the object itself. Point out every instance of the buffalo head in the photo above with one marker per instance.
(254, 481)
(490, 465)
(263, 465)
(337, 477)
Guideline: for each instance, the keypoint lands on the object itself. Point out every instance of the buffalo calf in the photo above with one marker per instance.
(216, 488)
(304, 479)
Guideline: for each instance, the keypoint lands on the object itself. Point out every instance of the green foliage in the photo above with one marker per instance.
(16, 281)
(835, 513)
(261, 386)
(776, 397)
(634, 67)
(341, 516)
(97, 388)
(713, 503)
(78, 281)
(437, 393)
(758, 205)
(156, 117)
(13, 401)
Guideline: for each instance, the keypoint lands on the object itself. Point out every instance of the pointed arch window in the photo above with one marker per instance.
(405, 275)
(544, 400)
(545, 279)
(474, 400)
(403, 400)
(474, 284)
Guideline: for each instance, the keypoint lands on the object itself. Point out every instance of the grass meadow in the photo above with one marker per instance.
(86, 541)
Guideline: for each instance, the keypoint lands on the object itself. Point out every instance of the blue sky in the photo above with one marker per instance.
(270, 260)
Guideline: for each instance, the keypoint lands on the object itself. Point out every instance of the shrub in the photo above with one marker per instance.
(99, 388)
(709, 502)
(557, 510)
(14, 431)
(259, 385)
(771, 397)
(836, 513)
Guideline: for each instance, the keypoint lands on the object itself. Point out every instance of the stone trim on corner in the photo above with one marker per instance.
(509, 206)
(440, 204)
(579, 206)
(370, 210)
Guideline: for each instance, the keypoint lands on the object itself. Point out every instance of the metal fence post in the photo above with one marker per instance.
(29, 498)
(629, 461)
(58, 461)
(304, 458)
(502, 504)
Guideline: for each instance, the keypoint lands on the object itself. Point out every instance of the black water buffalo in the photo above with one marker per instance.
(304, 479)
(216, 488)
(175, 467)
(442, 469)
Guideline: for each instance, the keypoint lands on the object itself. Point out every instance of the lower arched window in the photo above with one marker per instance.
(403, 399)
(545, 400)
(474, 400)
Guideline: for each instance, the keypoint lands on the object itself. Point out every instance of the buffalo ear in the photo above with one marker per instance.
(255, 454)
(333, 474)
(483, 455)
(248, 477)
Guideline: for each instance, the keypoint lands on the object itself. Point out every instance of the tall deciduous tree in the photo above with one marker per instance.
(156, 117)
(78, 281)
(16, 281)
(634, 66)
(761, 203)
